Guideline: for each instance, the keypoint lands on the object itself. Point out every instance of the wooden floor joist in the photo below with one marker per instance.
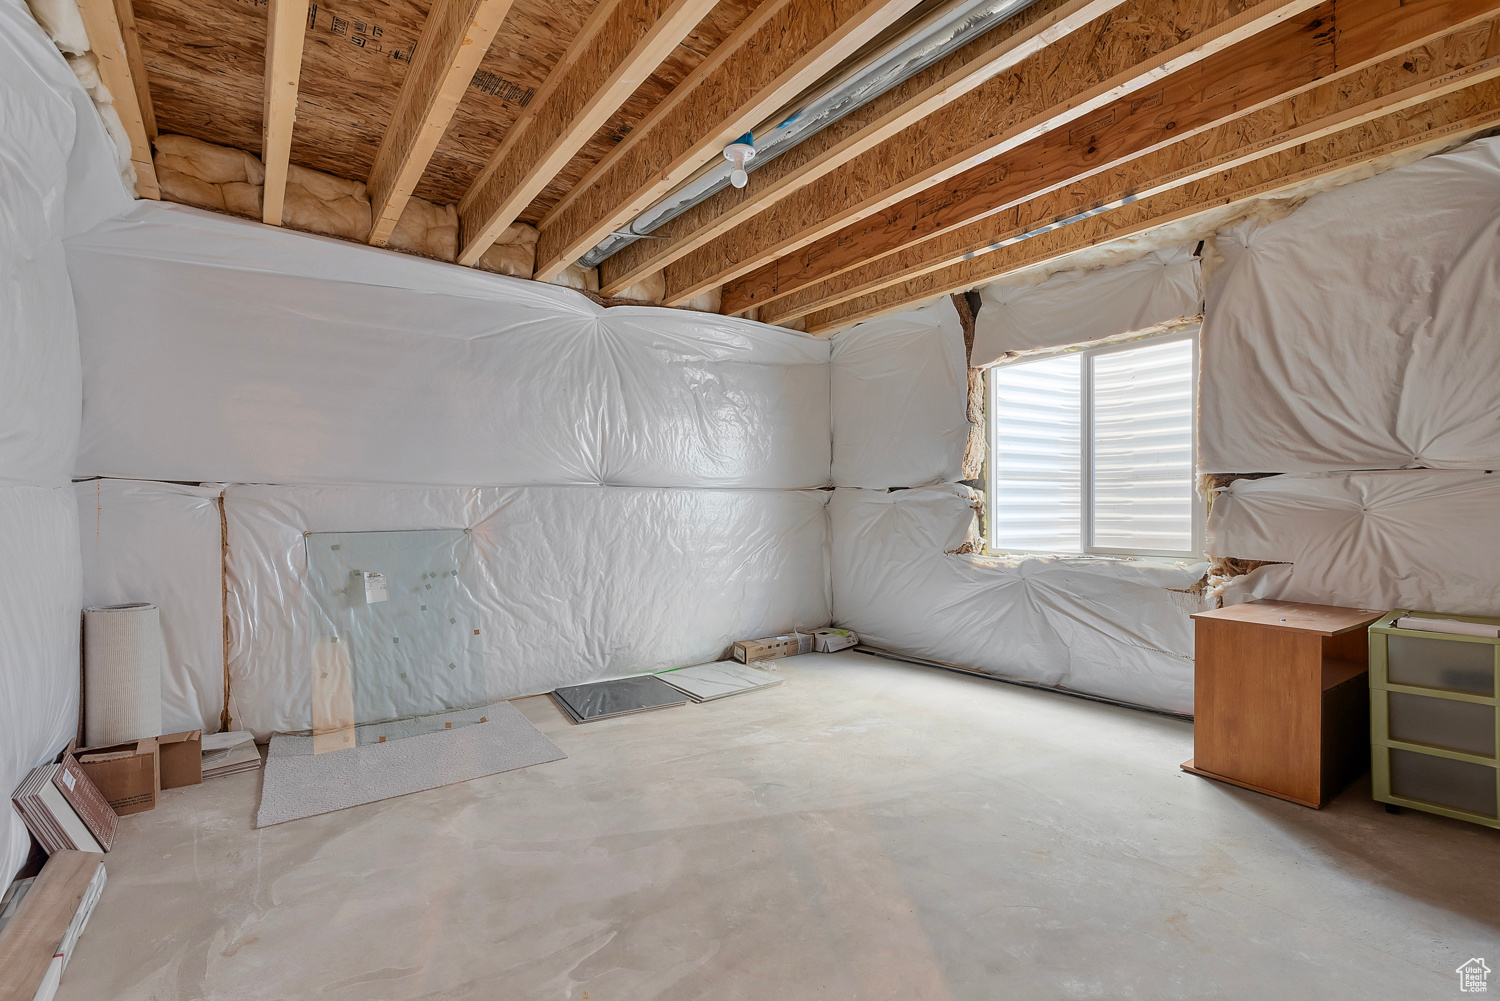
(944, 82)
(112, 40)
(286, 24)
(1428, 125)
(780, 50)
(1125, 51)
(597, 74)
(1403, 77)
(454, 40)
(1294, 56)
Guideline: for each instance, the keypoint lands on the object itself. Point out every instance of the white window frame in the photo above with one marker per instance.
(1086, 451)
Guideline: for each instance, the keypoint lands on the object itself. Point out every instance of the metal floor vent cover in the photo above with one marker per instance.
(605, 699)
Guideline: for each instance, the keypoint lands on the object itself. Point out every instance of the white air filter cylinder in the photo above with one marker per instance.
(122, 662)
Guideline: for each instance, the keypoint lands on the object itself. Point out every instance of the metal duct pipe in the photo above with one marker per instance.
(954, 24)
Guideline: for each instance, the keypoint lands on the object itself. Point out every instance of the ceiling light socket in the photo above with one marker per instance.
(740, 152)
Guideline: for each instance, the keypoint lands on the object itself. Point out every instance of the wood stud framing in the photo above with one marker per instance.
(594, 79)
(286, 24)
(1427, 126)
(1273, 68)
(992, 53)
(454, 39)
(112, 40)
(784, 47)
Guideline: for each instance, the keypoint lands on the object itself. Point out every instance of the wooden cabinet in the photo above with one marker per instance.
(1281, 698)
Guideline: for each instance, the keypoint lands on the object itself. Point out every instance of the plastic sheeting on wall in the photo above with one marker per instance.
(1359, 332)
(1075, 307)
(899, 391)
(57, 176)
(573, 583)
(1424, 539)
(161, 543)
(217, 349)
(1104, 627)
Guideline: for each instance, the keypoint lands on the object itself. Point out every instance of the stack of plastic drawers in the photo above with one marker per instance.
(1433, 719)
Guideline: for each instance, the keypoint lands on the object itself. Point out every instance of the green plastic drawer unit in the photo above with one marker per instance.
(1435, 718)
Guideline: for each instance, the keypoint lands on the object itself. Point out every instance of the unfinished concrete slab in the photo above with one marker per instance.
(866, 830)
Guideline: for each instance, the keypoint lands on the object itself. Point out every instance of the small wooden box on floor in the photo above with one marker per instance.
(1281, 698)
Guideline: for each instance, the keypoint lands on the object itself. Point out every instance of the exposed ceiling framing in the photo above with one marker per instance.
(1072, 123)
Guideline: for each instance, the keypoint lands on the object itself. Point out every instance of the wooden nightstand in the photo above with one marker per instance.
(1281, 698)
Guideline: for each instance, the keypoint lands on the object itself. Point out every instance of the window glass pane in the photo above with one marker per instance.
(1036, 455)
(1143, 448)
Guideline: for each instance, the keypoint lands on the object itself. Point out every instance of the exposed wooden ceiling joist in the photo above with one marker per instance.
(454, 40)
(286, 24)
(1124, 51)
(947, 80)
(1271, 68)
(1428, 125)
(111, 34)
(781, 49)
(602, 68)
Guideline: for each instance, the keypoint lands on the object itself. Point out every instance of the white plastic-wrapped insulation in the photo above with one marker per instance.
(1076, 307)
(1414, 538)
(1104, 627)
(571, 583)
(161, 543)
(1359, 332)
(218, 349)
(899, 389)
(57, 177)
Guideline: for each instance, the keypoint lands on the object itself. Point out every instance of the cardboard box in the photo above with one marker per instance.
(773, 647)
(128, 774)
(832, 640)
(181, 758)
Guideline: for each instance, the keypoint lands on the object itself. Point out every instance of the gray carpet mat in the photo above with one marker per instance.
(419, 754)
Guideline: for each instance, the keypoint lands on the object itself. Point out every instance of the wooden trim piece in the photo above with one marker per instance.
(286, 26)
(942, 83)
(455, 38)
(795, 43)
(101, 19)
(39, 924)
(1295, 56)
(596, 78)
(1126, 50)
(1413, 77)
(1430, 125)
(125, 11)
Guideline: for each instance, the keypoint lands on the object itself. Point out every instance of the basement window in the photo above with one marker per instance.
(1091, 451)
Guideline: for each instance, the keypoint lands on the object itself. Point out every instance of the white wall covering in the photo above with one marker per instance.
(1074, 307)
(1104, 627)
(574, 583)
(1359, 332)
(899, 387)
(57, 176)
(1425, 539)
(161, 543)
(217, 349)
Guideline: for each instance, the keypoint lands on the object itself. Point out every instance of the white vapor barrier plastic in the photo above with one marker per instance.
(39, 605)
(218, 349)
(1359, 332)
(161, 543)
(1111, 628)
(899, 390)
(1422, 539)
(1073, 307)
(573, 583)
(57, 176)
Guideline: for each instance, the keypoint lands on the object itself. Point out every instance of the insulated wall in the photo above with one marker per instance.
(1103, 627)
(637, 482)
(57, 176)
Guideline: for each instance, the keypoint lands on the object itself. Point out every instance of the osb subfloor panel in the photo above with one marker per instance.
(205, 62)
(865, 830)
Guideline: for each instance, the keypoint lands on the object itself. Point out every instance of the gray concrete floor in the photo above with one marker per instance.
(866, 830)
